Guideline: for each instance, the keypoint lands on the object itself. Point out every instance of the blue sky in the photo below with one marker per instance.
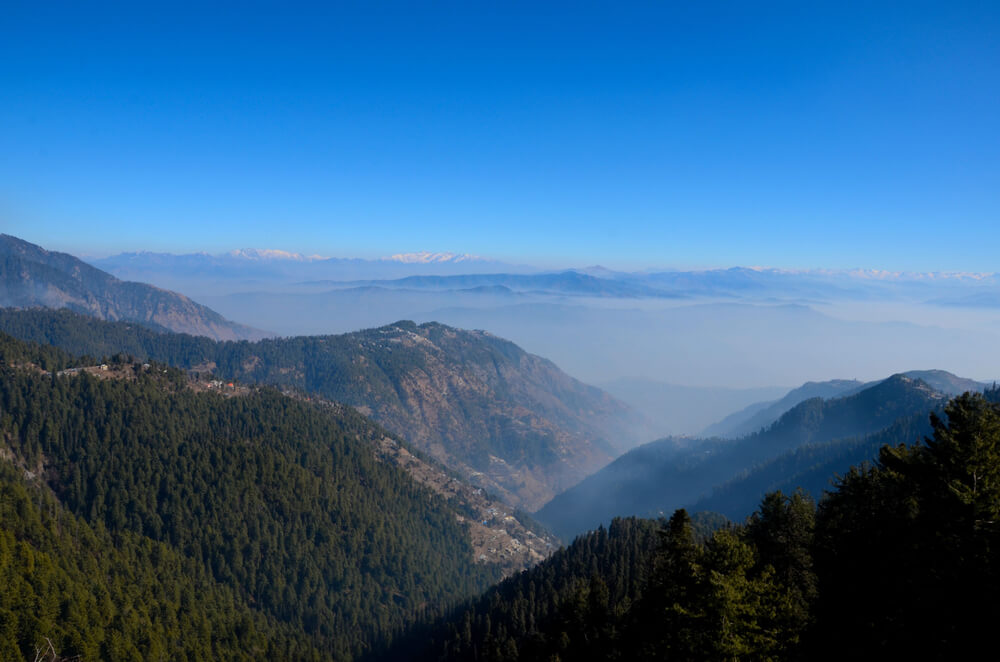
(627, 134)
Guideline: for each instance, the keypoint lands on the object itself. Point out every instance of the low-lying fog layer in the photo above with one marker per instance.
(733, 336)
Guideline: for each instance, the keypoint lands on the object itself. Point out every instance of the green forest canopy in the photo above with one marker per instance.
(900, 561)
(278, 504)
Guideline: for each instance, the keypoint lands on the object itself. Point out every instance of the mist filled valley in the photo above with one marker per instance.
(685, 348)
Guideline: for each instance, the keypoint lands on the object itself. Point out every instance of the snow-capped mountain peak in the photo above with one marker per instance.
(426, 257)
(272, 254)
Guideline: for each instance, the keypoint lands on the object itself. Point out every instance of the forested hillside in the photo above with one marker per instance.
(762, 414)
(898, 562)
(73, 588)
(661, 476)
(510, 420)
(292, 538)
(812, 468)
(566, 606)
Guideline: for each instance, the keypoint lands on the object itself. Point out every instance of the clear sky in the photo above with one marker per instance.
(629, 134)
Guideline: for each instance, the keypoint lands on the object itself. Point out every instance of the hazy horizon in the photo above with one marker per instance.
(710, 329)
(735, 328)
(278, 253)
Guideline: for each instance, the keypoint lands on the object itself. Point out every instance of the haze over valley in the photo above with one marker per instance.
(723, 329)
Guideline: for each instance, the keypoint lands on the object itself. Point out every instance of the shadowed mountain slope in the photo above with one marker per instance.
(31, 276)
(661, 476)
(877, 557)
(813, 468)
(759, 415)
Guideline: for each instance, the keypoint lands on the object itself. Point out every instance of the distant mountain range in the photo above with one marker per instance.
(273, 254)
(739, 283)
(246, 268)
(426, 257)
(667, 474)
(738, 327)
(32, 276)
(560, 283)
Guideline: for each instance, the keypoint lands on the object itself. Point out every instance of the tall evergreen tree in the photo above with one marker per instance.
(907, 550)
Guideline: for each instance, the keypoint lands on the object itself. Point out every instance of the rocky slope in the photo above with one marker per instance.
(32, 276)
(509, 421)
(500, 535)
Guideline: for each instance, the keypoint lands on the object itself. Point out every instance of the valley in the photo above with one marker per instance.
(425, 463)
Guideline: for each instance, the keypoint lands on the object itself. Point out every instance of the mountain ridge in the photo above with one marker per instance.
(510, 420)
(663, 475)
(33, 276)
(759, 415)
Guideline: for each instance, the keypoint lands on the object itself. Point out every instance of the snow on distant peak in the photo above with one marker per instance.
(426, 257)
(272, 254)
(879, 274)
